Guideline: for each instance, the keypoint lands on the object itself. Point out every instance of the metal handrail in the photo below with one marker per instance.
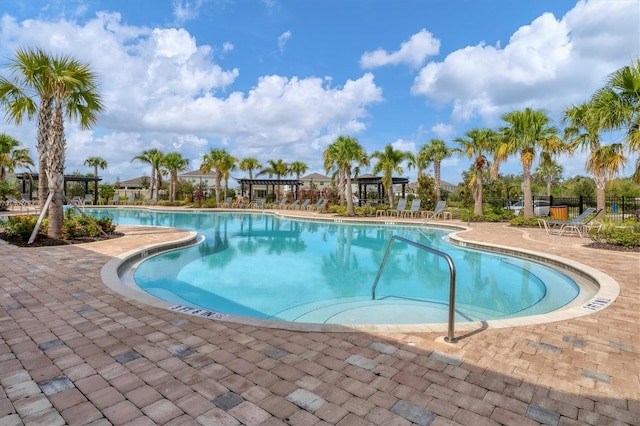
(452, 282)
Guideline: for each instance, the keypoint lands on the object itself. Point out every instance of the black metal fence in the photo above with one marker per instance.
(617, 209)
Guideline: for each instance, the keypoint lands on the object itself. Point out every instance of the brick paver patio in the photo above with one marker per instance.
(72, 351)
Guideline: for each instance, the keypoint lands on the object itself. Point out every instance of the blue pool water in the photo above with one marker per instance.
(263, 266)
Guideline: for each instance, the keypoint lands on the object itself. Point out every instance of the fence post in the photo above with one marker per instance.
(550, 200)
(581, 205)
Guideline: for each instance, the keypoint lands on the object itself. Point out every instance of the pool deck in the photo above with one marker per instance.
(72, 351)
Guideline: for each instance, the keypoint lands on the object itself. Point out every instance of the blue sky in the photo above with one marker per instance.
(281, 79)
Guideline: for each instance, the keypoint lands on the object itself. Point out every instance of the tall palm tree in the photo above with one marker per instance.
(388, 163)
(12, 157)
(583, 131)
(618, 106)
(249, 164)
(228, 164)
(96, 163)
(435, 153)
(152, 157)
(475, 145)
(217, 159)
(64, 86)
(346, 155)
(527, 132)
(298, 168)
(174, 163)
(548, 172)
(277, 168)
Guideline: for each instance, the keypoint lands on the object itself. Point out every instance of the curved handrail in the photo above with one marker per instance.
(452, 281)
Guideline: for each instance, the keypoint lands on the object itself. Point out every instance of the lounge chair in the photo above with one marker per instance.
(77, 201)
(399, 211)
(414, 209)
(227, 202)
(302, 206)
(257, 204)
(88, 199)
(27, 199)
(131, 199)
(293, 205)
(320, 206)
(281, 205)
(116, 199)
(438, 211)
(578, 225)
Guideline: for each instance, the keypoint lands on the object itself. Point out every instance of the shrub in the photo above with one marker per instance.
(21, 226)
(522, 221)
(628, 237)
(76, 225)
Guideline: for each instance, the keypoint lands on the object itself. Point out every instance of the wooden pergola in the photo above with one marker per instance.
(273, 183)
(364, 181)
(27, 180)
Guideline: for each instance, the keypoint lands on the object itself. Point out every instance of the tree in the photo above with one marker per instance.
(549, 173)
(435, 153)
(529, 131)
(617, 105)
(298, 168)
(585, 124)
(175, 164)
(96, 163)
(249, 164)
(219, 160)
(475, 145)
(275, 167)
(152, 157)
(388, 163)
(63, 86)
(12, 157)
(346, 155)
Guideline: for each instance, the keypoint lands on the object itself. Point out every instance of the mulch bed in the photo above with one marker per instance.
(605, 246)
(49, 242)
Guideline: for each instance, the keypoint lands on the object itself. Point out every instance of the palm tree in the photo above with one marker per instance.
(618, 106)
(96, 163)
(389, 161)
(228, 164)
(64, 87)
(175, 164)
(275, 167)
(583, 131)
(249, 164)
(219, 160)
(298, 168)
(549, 172)
(527, 131)
(12, 157)
(435, 152)
(346, 155)
(475, 144)
(153, 157)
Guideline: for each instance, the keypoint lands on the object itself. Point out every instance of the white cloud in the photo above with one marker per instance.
(161, 89)
(185, 10)
(412, 52)
(282, 40)
(547, 64)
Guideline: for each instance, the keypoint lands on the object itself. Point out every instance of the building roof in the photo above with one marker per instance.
(315, 176)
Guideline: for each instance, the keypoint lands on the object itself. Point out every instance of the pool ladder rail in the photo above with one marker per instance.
(452, 279)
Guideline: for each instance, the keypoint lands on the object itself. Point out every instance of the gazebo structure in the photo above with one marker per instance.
(268, 183)
(27, 180)
(364, 181)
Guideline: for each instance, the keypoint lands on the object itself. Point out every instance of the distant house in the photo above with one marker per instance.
(315, 180)
(135, 183)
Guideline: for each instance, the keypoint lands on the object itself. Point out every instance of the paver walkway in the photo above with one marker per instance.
(74, 352)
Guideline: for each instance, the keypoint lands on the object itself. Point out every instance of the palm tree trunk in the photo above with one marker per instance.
(45, 115)
(601, 181)
(477, 195)
(350, 209)
(55, 173)
(526, 192)
(436, 171)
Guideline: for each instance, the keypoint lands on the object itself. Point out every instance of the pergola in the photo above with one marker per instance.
(269, 183)
(365, 181)
(33, 177)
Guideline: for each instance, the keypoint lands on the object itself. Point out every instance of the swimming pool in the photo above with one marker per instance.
(266, 267)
